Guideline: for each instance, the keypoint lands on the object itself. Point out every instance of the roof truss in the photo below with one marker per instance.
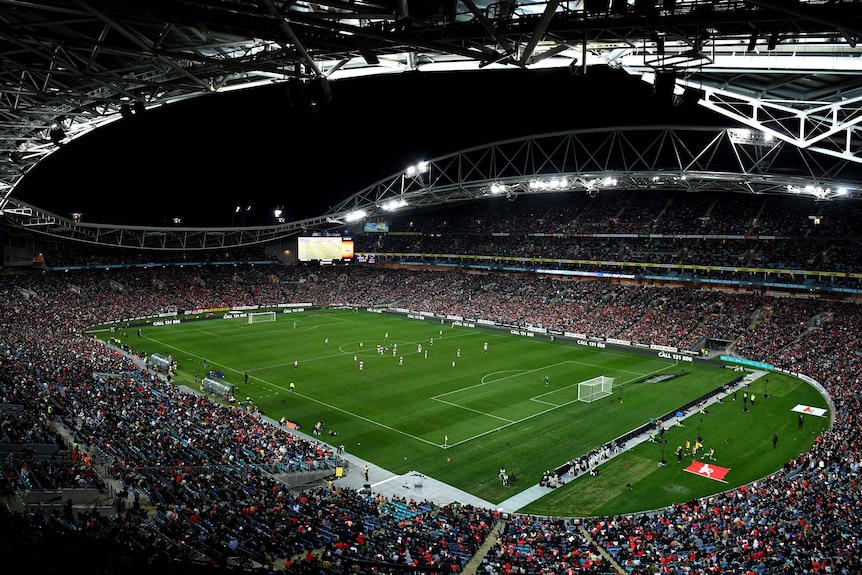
(701, 159)
(788, 69)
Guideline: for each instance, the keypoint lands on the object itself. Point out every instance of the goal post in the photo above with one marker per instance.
(595, 388)
(259, 316)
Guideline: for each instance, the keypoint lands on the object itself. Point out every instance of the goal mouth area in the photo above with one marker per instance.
(261, 316)
(596, 388)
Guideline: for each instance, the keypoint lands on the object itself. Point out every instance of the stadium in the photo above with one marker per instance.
(604, 349)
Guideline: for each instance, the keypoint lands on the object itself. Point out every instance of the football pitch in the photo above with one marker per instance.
(457, 403)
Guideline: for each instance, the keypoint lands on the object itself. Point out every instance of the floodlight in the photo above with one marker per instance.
(560, 183)
(355, 215)
(394, 204)
(419, 168)
(811, 190)
(751, 137)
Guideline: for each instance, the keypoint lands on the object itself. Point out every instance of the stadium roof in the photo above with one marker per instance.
(789, 70)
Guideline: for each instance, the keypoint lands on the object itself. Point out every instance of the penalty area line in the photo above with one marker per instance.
(360, 417)
(486, 414)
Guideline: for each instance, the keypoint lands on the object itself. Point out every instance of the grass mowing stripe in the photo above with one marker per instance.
(386, 412)
(357, 416)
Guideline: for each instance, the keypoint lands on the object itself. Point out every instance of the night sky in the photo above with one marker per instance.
(201, 158)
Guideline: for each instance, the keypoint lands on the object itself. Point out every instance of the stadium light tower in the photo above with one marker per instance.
(420, 168)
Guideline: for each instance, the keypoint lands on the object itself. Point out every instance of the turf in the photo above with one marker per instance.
(492, 409)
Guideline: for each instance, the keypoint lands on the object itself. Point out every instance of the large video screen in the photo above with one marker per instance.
(376, 226)
(317, 248)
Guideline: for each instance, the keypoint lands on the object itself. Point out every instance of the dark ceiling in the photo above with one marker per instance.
(339, 74)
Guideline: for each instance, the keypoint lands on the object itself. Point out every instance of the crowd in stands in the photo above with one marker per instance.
(542, 545)
(205, 469)
(641, 212)
(749, 238)
(771, 238)
(195, 478)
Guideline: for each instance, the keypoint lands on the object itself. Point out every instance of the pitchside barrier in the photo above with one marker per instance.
(649, 426)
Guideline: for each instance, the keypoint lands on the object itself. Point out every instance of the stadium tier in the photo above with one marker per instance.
(178, 482)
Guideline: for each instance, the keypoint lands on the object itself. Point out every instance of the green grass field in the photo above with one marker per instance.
(492, 409)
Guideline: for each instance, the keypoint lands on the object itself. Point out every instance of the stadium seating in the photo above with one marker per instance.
(207, 510)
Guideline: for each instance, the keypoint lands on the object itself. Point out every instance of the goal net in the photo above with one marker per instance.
(259, 316)
(595, 388)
